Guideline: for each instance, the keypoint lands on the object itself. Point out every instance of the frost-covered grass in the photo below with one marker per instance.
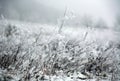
(34, 52)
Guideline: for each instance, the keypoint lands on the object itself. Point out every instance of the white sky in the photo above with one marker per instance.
(96, 8)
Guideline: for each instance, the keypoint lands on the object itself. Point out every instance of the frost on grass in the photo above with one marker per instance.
(45, 55)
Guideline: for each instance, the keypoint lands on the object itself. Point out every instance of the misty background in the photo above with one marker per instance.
(51, 11)
(59, 40)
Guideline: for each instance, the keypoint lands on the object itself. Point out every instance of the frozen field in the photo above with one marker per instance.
(39, 53)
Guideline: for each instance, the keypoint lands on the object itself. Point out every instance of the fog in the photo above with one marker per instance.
(95, 8)
(49, 11)
(59, 40)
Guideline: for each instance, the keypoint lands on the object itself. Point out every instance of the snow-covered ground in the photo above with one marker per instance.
(39, 40)
(75, 32)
